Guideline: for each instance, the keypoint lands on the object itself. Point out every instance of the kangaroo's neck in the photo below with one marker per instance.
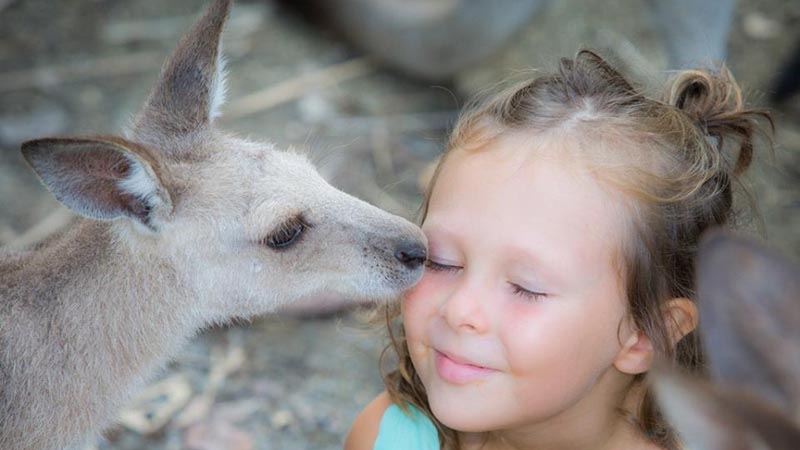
(118, 292)
(91, 265)
(98, 315)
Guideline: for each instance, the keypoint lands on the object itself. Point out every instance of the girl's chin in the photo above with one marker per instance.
(462, 424)
(462, 416)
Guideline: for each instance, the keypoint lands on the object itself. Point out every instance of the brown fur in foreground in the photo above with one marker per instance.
(749, 300)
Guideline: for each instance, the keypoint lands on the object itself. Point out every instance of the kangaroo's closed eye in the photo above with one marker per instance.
(286, 234)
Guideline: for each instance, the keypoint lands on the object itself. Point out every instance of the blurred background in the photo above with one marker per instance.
(370, 88)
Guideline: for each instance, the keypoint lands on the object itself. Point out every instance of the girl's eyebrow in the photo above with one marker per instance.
(441, 238)
(438, 231)
(529, 260)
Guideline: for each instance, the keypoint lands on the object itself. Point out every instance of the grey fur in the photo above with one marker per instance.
(172, 239)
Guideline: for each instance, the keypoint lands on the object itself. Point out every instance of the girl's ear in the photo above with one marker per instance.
(681, 316)
(636, 354)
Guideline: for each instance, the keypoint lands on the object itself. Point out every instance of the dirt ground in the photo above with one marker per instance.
(84, 66)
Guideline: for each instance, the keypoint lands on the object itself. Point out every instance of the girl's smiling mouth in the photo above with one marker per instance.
(457, 371)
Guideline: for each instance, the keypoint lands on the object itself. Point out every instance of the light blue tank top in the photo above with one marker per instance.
(399, 431)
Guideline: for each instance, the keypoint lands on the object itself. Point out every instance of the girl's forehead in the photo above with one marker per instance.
(514, 196)
(504, 189)
(520, 148)
(517, 160)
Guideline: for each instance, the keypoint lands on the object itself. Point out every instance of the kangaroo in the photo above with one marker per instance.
(749, 301)
(182, 226)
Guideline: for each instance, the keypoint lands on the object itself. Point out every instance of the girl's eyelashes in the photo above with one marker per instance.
(528, 294)
(438, 267)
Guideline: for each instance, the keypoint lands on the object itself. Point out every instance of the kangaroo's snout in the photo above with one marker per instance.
(395, 251)
(411, 253)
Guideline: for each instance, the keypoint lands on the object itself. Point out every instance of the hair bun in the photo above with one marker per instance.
(713, 101)
(702, 94)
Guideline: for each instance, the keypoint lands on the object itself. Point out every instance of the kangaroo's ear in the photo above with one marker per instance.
(101, 178)
(710, 417)
(191, 87)
(749, 299)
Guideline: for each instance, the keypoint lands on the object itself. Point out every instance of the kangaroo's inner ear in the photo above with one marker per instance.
(101, 178)
(191, 88)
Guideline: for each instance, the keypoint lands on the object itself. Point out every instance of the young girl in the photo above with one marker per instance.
(563, 222)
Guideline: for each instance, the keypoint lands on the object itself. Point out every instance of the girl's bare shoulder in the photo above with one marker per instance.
(364, 430)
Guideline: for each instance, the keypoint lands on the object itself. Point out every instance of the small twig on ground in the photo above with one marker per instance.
(157, 404)
(223, 363)
(245, 19)
(56, 74)
(415, 121)
(292, 89)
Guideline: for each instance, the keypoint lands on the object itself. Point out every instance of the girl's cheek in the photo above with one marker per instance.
(420, 305)
(422, 294)
(418, 309)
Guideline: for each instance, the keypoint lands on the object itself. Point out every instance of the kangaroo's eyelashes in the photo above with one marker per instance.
(286, 234)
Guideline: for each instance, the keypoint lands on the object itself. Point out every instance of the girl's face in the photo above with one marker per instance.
(519, 317)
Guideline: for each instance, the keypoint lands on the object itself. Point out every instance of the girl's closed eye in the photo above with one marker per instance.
(528, 294)
(435, 266)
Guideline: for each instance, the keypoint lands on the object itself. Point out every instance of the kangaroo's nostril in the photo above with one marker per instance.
(411, 254)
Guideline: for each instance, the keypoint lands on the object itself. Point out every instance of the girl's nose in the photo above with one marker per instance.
(464, 309)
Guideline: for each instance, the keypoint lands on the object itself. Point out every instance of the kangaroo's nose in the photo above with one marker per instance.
(411, 254)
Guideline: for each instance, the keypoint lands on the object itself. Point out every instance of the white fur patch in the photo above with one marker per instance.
(140, 183)
(218, 86)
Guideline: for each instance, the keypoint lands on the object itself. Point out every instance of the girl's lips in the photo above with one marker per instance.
(458, 372)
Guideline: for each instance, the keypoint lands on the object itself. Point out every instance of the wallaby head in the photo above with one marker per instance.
(749, 301)
(184, 226)
(251, 225)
